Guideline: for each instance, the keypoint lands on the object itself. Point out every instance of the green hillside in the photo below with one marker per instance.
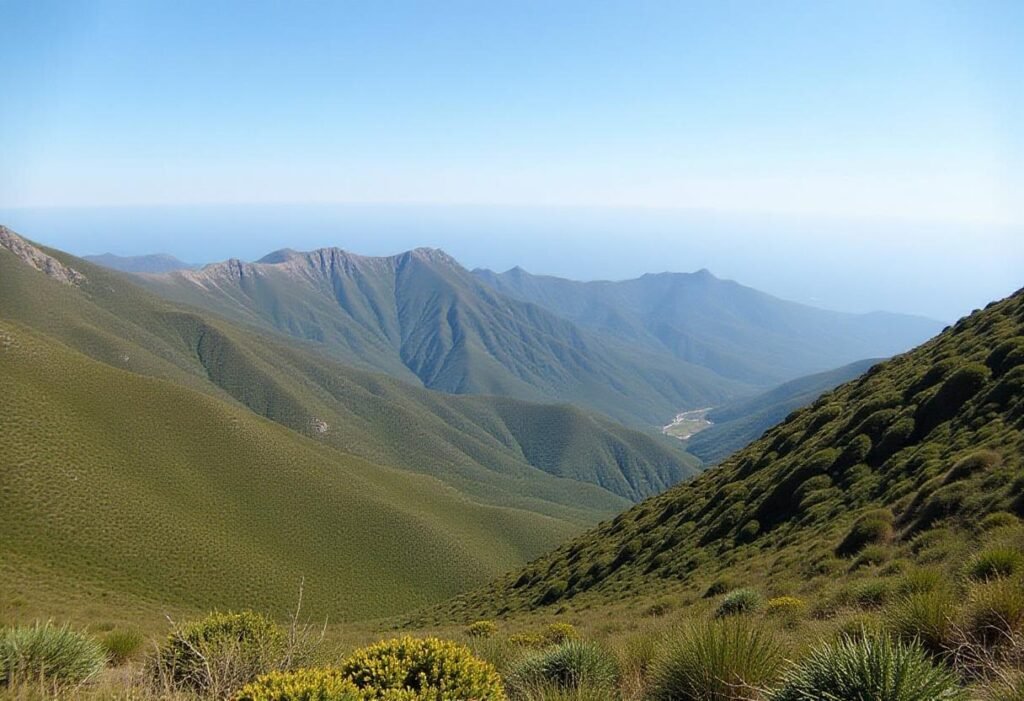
(421, 317)
(925, 449)
(741, 422)
(152, 458)
(736, 331)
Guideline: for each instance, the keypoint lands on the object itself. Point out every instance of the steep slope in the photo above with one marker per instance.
(739, 423)
(474, 443)
(924, 447)
(733, 330)
(421, 317)
(152, 263)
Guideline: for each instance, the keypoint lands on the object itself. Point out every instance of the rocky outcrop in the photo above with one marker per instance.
(32, 256)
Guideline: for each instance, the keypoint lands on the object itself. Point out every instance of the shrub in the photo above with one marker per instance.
(575, 664)
(45, 652)
(739, 601)
(996, 562)
(872, 527)
(432, 668)
(873, 554)
(716, 661)
(788, 608)
(718, 587)
(998, 519)
(122, 645)
(929, 617)
(921, 579)
(873, 667)
(481, 629)
(221, 652)
(301, 685)
(555, 591)
(995, 610)
(560, 632)
(978, 461)
(527, 640)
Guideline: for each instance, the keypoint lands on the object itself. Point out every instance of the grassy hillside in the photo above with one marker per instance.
(154, 459)
(422, 317)
(736, 331)
(925, 449)
(741, 422)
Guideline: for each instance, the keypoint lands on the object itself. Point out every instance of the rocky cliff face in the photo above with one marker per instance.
(35, 258)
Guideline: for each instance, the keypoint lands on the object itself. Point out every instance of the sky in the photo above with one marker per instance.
(795, 146)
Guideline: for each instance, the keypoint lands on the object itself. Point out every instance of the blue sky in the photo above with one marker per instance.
(908, 113)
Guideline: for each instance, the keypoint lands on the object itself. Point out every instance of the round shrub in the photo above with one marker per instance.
(222, 651)
(717, 661)
(432, 668)
(978, 461)
(739, 601)
(718, 587)
(995, 610)
(998, 519)
(301, 685)
(875, 668)
(929, 617)
(872, 527)
(788, 608)
(122, 645)
(576, 664)
(481, 629)
(528, 639)
(560, 632)
(55, 654)
(996, 562)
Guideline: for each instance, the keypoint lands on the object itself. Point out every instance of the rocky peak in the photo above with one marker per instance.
(33, 257)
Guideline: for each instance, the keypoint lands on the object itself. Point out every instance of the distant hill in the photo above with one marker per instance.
(152, 453)
(421, 317)
(926, 447)
(739, 423)
(733, 330)
(153, 263)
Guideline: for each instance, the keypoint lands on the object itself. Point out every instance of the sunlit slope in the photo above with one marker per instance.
(165, 493)
(928, 443)
(471, 443)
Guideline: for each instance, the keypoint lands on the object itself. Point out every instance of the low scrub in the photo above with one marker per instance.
(717, 661)
(875, 668)
(929, 617)
(481, 629)
(996, 562)
(122, 645)
(739, 601)
(48, 653)
(572, 665)
(430, 667)
(301, 685)
(995, 611)
(874, 527)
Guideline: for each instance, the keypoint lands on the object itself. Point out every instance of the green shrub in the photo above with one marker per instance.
(301, 685)
(872, 668)
(45, 652)
(920, 579)
(870, 555)
(995, 610)
(996, 562)
(998, 519)
(528, 639)
(433, 668)
(575, 664)
(719, 587)
(873, 527)
(481, 629)
(717, 661)
(221, 652)
(560, 632)
(739, 601)
(978, 461)
(785, 607)
(867, 594)
(929, 617)
(122, 645)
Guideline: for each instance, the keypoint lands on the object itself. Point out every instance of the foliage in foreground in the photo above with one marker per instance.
(869, 668)
(569, 666)
(48, 653)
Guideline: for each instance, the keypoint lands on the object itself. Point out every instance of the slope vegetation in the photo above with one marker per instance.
(903, 467)
(423, 318)
(739, 423)
(736, 331)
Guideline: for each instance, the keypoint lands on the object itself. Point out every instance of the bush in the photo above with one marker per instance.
(995, 610)
(575, 664)
(874, 554)
(301, 685)
(222, 652)
(873, 527)
(998, 519)
(921, 579)
(872, 667)
(45, 652)
(122, 645)
(739, 601)
(975, 462)
(718, 587)
(481, 629)
(432, 668)
(715, 661)
(560, 632)
(535, 640)
(787, 608)
(929, 617)
(996, 562)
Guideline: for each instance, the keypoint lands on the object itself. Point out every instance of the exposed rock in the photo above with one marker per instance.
(42, 262)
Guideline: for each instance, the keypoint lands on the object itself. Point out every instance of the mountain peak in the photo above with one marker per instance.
(35, 258)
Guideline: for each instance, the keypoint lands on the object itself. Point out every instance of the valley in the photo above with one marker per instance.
(688, 423)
